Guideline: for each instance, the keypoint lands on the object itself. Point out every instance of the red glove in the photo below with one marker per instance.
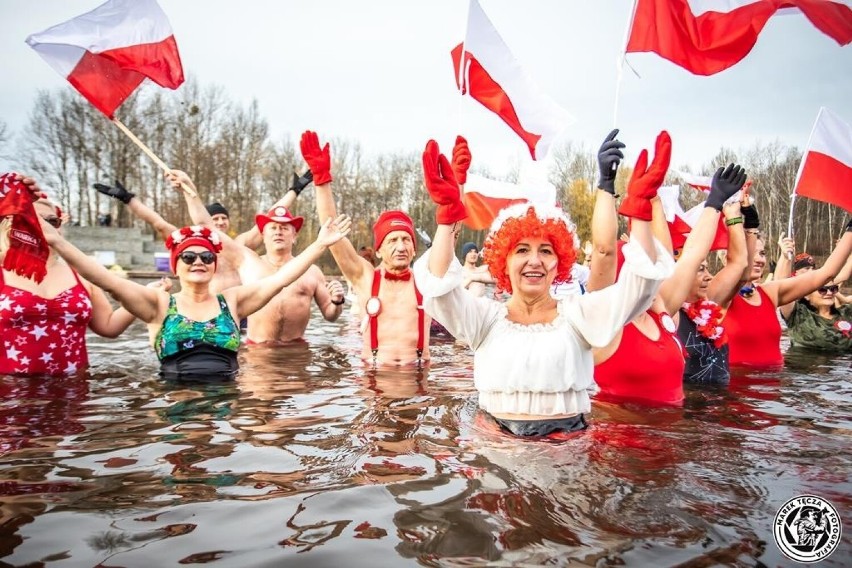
(645, 181)
(461, 160)
(318, 160)
(442, 186)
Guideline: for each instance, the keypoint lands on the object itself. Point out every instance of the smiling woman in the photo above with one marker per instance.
(532, 360)
(195, 332)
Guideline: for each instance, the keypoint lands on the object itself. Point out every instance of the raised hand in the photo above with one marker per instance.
(442, 186)
(646, 180)
(301, 182)
(333, 231)
(461, 160)
(726, 182)
(609, 157)
(11, 180)
(116, 192)
(318, 159)
(335, 290)
(178, 177)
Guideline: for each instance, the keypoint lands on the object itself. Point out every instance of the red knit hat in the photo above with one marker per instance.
(279, 215)
(195, 235)
(390, 221)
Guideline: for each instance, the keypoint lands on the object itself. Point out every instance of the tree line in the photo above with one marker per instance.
(226, 148)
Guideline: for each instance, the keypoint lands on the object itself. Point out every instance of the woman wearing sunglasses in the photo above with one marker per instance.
(754, 332)
(816, 323)
(43, 324)
(194, 332)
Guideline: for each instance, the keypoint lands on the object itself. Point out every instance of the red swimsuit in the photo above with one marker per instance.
(43, 336)
(754, 333)
(642, 369)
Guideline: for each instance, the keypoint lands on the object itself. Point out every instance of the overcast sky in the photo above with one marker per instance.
(379, 72)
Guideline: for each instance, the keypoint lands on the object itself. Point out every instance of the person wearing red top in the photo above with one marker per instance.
(43, 324)
(754, 331)
(645, 362)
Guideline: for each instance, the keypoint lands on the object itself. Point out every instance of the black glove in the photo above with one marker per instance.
(750, 218)
(726, 182)
(849, 226)
(118, 192)
(300, 183)
(609, 156)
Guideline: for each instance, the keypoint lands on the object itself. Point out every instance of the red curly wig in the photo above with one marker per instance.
(525, 223)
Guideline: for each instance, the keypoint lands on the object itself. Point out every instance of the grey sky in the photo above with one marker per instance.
(379, 72)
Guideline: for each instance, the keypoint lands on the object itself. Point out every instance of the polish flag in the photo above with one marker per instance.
(484, 198)
(681, 222)
(825, 173)
(702, 183)
(708, 36)
(106, 53)
(491, 75)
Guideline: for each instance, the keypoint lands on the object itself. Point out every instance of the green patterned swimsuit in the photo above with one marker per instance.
(189, 348)
(807, 328)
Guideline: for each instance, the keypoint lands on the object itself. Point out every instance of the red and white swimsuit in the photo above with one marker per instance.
(43, 336)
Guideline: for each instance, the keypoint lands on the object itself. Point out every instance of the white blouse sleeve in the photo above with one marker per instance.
(599, 315)
(465, 316)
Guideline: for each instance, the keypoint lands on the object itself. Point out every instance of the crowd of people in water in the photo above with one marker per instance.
(634, 323)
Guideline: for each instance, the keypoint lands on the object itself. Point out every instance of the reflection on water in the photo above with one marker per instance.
(309, 459)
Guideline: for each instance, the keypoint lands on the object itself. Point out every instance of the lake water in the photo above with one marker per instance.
(307, 460)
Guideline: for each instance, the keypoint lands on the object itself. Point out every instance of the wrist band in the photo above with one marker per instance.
(340, 303)
(733, 221)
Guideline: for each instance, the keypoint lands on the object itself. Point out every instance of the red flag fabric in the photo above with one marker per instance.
(707, 36)
(681, 222)
(28, 250)
(106, 53)
(826, 170)
(484, 198)
(490, 74)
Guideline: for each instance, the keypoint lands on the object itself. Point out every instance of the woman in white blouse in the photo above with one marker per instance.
(533, 363)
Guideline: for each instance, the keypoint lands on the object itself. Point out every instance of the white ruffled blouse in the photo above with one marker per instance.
(542, 369)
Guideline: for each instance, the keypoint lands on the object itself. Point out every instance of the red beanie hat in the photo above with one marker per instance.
(390, 221)
(195, 235)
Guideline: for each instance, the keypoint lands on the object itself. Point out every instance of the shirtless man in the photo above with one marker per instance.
(475, 277)
(396, 330)
(285, 318)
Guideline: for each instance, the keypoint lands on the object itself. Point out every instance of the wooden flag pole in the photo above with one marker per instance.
(188, 190)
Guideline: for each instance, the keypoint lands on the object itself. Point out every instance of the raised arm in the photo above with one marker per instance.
(139, 300)
(727, 282)
(353, 267)
(726, 182)
(443, 188)
(105, 321)
(137, 207)
(786, 252)
(249, 298)
(604, 219)
(797, 287)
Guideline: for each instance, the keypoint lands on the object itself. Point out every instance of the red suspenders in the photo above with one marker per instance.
(374, 319)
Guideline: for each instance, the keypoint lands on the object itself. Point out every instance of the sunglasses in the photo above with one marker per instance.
(55, 222)
(823, 290)
(188, 257)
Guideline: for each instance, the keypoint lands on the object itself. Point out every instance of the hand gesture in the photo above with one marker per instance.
(164, 284)
(333, 231)
(461, 160)
(335, 289)
(726, 182)
(609, 157)
(318, 159)
(442, 186)
(646, 180)
(116, 192)
(8, 181)
(178, 177)
(301, 182)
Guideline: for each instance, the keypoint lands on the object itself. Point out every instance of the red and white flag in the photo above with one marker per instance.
(825, 173)
(682, 222)
(708, 36)
(484, 198)
(491, 75)
(702, 183)
(106, 53)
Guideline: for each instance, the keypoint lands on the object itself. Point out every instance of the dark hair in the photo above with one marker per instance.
(217, 209)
